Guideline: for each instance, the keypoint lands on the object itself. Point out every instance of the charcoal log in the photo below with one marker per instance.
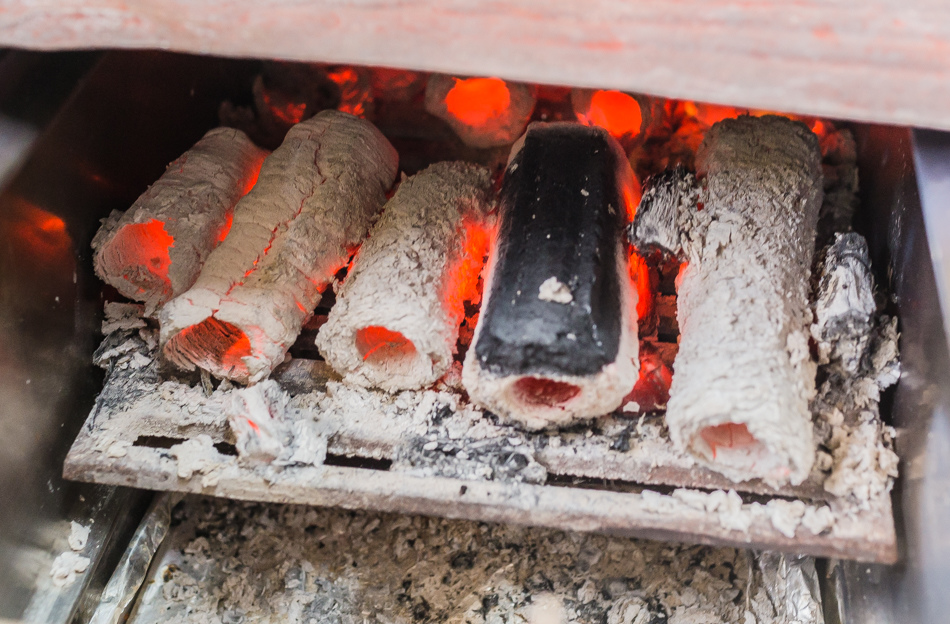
(314, 202)
(557, 337)
(744, 375)
(396, 321)
(155, 250)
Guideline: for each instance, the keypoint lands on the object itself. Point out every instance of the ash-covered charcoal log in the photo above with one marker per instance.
(154, 250)
(314, 202)
(396, 321)
(744, 375)
(557, 337)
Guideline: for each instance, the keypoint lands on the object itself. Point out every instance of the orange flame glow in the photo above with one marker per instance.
(354, 89)
(141, 249)
(640, 275)
(476, 101)
(616, 112)
(462, 275)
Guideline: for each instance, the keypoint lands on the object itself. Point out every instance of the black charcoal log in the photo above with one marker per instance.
(557, 336)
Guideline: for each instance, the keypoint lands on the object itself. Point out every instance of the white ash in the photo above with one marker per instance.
(313, 203)
(859, 346)
(66, 567)
(195, 455)
(845, 306)
(118, 316)
(743, 310)
(413, 276)
(553, 290)
(190, 204)
(233, 562)
(257, 417)
(78, 536)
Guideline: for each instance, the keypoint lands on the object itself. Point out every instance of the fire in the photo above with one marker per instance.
(354, 89)
(226, 228)
(378, 344)
(462, 277)
(640, 274)
(617, 113)
(631, 197)
(476, 101)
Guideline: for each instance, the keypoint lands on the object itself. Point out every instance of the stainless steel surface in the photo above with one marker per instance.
(106, 513)
(116, 599)
(910, 236)
(128, 117)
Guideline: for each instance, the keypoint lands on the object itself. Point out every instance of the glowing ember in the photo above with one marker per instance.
(640, 274)
(652, 390)
(544, 392)
(378, 344)
(728, 436)
(616, 112)
(143, 249)
(288, 111)
(476, 101)
(462, 279)
(221, 345)
(355, 95)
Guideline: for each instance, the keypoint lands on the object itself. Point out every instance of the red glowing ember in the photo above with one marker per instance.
(483, 112)
(618, 113)
(476, 101)
(728, 436)
(640, 274)
(378, 344)
(142, 248)
(355, 90)
(652, 390)
(222, 345)
(544, 392)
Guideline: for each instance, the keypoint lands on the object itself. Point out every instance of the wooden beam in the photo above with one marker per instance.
(883, 61)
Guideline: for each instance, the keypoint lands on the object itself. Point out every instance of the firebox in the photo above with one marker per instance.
(397, 422)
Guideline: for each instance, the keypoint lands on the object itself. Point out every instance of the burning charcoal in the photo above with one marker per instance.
(744, 375)
(396, 322)
(317, 194)
(483, 112)
(557, 337)
(154, 250)
(624, 116)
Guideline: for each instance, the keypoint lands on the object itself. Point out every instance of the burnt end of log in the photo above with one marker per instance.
(557, 314)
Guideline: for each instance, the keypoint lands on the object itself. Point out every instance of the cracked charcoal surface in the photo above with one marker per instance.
(244, 562)
(312, 205)
(192, 201)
